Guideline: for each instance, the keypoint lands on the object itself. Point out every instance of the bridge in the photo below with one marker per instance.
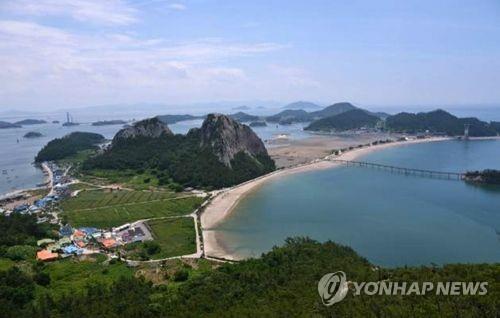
(402, 170)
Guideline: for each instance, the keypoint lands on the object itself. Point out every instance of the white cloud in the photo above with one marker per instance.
(105, 12)
(177, 6)
(42, 64)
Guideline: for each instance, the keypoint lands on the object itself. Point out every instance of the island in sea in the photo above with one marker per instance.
(29, 122)
(33, 134)
(6, 125)
(109, 122)
(129, 213)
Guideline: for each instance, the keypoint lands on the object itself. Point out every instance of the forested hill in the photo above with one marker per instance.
(439, 121)
(68, 145)
(222, 152)
(352, 119)
(281, 283)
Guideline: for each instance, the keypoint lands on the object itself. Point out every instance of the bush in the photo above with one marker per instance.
(20, 252)
(42, 279)
(181, 275)
(152, 247)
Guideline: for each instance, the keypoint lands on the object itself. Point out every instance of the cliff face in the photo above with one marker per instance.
(151, 127)
(227, 137)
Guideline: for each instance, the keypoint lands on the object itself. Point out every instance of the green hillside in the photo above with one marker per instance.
(352, 119)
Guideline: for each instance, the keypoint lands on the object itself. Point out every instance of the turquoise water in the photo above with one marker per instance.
(388, 218)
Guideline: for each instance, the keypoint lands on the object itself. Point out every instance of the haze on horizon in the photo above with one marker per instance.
(64, 54)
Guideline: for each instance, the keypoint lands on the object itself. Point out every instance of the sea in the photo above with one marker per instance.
(391, 219)
(17, 153)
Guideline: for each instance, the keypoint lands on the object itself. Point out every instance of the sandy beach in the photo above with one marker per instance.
(225, 201)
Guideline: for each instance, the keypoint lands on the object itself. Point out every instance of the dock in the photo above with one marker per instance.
(403, 170)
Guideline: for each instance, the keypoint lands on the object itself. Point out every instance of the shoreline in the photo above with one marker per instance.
(224, 202)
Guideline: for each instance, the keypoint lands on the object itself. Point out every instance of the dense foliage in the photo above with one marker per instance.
(181, 159)
(282, 283)
(352, 119)
(486, 176)
(19, 229)
(68, 145)
(438, 121)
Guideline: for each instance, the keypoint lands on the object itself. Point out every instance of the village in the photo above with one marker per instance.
(71, 241)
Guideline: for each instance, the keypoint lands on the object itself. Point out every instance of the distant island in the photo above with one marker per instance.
(244, 107)
(109, 122)
(69, 145)
(349, 120)
(55, 121)
(301, 105)
(32, 134)
(258, 124)
(5, 125)
(28, 122)
(172, 119)
(290, 116)
(244, 117)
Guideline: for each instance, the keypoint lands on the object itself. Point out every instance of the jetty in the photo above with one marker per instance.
(403, 170)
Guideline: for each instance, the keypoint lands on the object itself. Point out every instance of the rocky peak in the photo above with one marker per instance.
(151, 127)
(227, 137)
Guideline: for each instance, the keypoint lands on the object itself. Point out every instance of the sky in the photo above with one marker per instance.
(76, 53)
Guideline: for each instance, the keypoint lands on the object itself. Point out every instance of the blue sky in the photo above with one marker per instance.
(75, 53)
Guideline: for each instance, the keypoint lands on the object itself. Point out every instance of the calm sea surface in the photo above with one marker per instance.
(18, 153)
(388, 218)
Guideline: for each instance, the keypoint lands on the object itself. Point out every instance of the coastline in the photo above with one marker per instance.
(224, 201)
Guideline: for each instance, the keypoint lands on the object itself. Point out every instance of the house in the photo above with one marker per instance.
(108, 243)
(45, 255)
(72, 249)
(66, 230)
(21, 208)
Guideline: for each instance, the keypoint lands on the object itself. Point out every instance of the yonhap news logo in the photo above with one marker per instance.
(333, 288)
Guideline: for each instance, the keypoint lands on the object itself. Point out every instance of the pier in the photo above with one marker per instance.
(402, 170)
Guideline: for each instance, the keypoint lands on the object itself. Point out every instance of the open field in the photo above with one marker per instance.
(105, 198)
(172, 237)
(105, 209)
(175, 236)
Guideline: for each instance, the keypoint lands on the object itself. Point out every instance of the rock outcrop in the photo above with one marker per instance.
(227, 137)
(152, 128)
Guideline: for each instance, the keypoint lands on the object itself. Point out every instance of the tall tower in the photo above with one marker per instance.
(466, 131)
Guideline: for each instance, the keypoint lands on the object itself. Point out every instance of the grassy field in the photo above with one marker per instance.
(129, 178)
(105, 209)
(174, 237)
(105, 198)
